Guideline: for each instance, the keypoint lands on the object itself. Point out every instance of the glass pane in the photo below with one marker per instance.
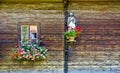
(33, 31)
(24, 34)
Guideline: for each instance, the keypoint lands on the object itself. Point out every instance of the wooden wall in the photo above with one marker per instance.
(97, 48)
(101, 23)
(51, 27)
(99, 43)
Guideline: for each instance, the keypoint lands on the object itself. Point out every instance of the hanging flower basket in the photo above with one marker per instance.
(73, 33)
(71, 39)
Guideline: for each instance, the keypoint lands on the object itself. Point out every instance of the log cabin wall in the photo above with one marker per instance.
(97, 47)
(101, 21)
(51, 23)
(100, 18)
(99, 43)
(49, 16)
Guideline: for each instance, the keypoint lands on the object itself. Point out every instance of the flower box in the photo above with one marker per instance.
(30, 52)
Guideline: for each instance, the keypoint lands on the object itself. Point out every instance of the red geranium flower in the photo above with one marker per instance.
(69, 27)
(78, 28)
(20, 50)
(78, 35)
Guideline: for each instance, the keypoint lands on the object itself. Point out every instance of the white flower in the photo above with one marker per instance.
(26, 56)
(21, 53)
(41, 54)
(44, 57)
(46, 50)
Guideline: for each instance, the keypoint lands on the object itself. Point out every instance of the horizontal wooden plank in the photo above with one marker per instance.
(91, 0)
(8, 36)
(38, 6)
(96, 47)
(54, 16)
(99, 37)
(8, 45)
(8, 31)
(97, 27)
(52, 34)
(97, 15)
(55, 29)
(52, 25)
(8, 27)
(101, 32)
(52, 31)
(96, 5)
(99, 42)
(101, 24)
(3, 41)
(30, 1)
(98, 22)
(3, 33)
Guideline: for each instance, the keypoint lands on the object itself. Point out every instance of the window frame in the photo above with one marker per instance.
(28, 23)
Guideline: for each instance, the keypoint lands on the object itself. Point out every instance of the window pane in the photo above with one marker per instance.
(33, 31)
(24, 34)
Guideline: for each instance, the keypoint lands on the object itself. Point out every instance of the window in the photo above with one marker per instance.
(28, 32)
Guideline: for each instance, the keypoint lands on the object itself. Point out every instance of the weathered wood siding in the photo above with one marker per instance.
(51, 26)
(101, 21)
(98, 46)
(51, 32)
(92, 0)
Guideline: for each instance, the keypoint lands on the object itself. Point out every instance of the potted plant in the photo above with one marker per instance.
(70, 35)
(73, 33)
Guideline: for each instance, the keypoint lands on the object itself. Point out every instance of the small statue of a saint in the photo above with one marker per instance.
(71, 21)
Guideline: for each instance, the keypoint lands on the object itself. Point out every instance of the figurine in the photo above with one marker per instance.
(71, 21)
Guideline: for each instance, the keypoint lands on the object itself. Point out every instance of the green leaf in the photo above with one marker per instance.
(18, 57)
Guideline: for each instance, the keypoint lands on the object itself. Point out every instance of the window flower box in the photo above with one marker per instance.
(30, 52)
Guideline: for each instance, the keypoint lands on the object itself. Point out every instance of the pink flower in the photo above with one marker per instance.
(21, 57)
(32, 58)
(37, 54)
(35, 50)
(21, 53)
(28, 51)
(24, 56)
(20, 50)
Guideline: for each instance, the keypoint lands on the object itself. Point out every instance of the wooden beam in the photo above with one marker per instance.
(102, 6)
(92, 0)
(37, 6)
(31, 1)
